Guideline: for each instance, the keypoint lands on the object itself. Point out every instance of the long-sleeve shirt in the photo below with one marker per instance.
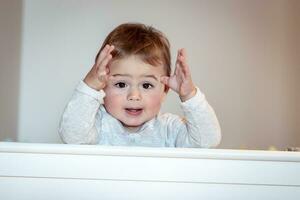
(86, 121)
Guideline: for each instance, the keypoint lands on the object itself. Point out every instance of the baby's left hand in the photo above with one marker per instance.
(181, 81)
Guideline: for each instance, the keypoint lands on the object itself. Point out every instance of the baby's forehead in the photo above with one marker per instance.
(134, 65)
(140, 77)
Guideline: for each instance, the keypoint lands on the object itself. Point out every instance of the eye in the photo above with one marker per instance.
(147, 86)
(120, 84)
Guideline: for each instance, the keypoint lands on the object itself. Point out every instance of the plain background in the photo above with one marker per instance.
(243, 54)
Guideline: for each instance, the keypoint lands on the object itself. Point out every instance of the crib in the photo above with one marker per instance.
(63, 171)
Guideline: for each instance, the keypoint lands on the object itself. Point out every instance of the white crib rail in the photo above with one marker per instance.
(60, 171)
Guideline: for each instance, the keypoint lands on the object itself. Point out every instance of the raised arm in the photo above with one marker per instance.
(78, 121)
(200, 128)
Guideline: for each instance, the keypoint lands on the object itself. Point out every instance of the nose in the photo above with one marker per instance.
(134, 95)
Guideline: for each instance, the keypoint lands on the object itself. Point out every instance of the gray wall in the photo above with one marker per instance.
(10, 47)
(243, 56)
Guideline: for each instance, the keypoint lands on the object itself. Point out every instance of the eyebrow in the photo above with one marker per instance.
(145, 75)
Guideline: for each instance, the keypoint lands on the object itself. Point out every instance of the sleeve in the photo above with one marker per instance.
(77, 124)
(200, 127)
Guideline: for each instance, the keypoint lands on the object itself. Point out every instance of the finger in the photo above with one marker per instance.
(111, 48)
(106, 50)
(108, 54)
(102, 70)
(105, 62)
(179, 67)
(183, 53)
(165, 80)
(183, 63)
(180, 75)
(177, 63)
(102, 54)
(176, 68)
(178, 53)
(184, 66)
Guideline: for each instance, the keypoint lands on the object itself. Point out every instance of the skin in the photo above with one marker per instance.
(134, 89)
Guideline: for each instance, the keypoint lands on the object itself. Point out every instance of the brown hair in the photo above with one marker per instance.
(148, 43)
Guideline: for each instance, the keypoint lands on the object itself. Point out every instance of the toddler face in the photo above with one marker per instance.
(134, 92)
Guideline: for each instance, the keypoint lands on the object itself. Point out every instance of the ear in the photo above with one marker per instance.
(166, 89)
(165, 80)
(165, 93)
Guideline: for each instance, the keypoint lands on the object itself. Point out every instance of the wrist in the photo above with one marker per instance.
(94, 84)
(186, 97)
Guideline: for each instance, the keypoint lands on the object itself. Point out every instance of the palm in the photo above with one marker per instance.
(97, 77)
(181, 81)
(180, 84)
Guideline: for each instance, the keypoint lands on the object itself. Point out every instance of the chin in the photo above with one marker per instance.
(132, 125)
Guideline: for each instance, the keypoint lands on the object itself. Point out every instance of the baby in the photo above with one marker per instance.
(119, 100)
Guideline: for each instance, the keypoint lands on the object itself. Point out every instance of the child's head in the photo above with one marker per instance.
(141, 56)
(145, 42)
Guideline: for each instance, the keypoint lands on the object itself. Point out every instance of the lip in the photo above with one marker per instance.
(134, 111)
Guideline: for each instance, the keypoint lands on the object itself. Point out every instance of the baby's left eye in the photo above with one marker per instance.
(147, 85)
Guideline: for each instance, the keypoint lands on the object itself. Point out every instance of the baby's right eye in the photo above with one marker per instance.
(120, 85)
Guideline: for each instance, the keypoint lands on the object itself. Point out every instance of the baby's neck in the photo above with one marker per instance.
(132, 129)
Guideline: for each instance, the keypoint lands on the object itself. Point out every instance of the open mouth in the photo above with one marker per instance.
(133, 111)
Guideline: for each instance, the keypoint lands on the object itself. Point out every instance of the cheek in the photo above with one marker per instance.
(112, 99)
(154, 101)
(112, 92)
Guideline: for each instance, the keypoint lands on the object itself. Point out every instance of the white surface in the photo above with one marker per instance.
(77, 171)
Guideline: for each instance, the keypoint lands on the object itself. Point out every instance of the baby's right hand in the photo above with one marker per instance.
(98, 75)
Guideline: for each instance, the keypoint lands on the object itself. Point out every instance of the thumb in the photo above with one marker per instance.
(165, 80)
